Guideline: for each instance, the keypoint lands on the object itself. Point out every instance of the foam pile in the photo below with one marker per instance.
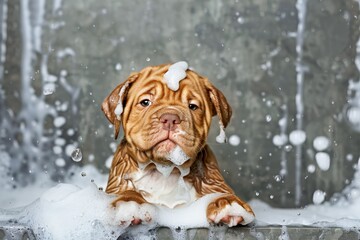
(67, 211)
(175, 74)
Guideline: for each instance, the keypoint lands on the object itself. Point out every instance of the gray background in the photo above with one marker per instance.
(246, 48)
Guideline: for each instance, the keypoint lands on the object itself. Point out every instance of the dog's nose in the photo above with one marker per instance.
(169, 121)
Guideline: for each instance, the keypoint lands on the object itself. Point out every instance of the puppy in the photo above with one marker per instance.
(165, 112)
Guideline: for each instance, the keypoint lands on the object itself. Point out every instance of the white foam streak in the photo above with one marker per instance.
(119, 107)
(221, 138)
(178, 156)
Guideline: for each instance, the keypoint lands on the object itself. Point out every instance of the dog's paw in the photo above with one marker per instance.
(133, 213)
(230, 210)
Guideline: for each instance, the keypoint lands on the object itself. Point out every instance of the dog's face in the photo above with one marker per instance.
(161, 122)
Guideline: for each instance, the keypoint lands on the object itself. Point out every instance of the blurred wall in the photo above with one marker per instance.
(247, 49)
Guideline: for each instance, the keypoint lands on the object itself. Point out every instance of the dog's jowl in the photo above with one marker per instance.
(165, 112)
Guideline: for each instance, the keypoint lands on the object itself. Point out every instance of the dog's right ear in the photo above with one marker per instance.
(113, 104)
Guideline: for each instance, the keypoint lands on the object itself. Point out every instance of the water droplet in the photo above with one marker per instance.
(288, 148)
(148, 59)
(76, 155)
(257, 193)
(83, 174)
(234, 140)
(268, 118)
(277, 178)
(271, 196)
(118, 67)
(48, 91)
(240, 20)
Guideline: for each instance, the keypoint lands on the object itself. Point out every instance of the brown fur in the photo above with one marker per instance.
(144, 136)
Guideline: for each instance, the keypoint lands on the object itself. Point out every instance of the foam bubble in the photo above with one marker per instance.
(119, 107)
(280, 140)
(323, 160)
(234, 140)
(175, 74)
(59, 121)
(318, 196)
(178, 156)
(221, 138)
(297, 137)
(321, 143)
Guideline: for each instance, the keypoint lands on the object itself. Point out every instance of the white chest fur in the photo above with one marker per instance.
(163, 186)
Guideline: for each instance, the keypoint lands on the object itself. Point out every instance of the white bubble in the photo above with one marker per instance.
(297, 137)
(76, 155)
(48, 89)
(57, 149)
(91, 157)
(234, 140)
(353, 115)
(59, 121)
(118, 67)
(70, 132)
(279, 140)
(60, 162)
(288, 148)
(148, 59)
(349, 157)
(323, 160)
(277, 178)
(108, 161)
(321, 143)
(268, 118)
(240, 20)
(113, 146)
(60, 141)
(282, 122)
(318, 197)
(311, 168)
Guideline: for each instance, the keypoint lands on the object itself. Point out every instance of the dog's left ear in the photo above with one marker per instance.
(113, 104)
(220, 106)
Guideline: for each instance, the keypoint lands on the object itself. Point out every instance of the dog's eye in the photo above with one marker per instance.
(193, 106)
(145, 103)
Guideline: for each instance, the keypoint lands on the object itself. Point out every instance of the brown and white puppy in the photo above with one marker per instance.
(163, 158)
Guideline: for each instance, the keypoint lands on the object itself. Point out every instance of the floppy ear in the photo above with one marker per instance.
(220, 106)
(113, 104)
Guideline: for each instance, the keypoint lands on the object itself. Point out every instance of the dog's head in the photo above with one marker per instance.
(167, 125)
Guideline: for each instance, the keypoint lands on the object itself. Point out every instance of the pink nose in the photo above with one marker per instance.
(169, 121)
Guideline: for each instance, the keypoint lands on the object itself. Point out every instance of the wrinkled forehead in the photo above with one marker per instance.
(153, 83)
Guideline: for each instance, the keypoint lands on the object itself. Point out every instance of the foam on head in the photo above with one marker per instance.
(175, 74)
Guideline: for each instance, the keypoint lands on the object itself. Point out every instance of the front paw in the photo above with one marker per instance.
(230, 210)
(133, 213)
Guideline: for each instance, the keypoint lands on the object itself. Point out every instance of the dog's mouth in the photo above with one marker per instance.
(168, 149)
(166, 144)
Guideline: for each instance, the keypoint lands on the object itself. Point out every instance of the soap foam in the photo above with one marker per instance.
(70, 212)
(175, 74)
(178, 156)
(119, 107)
(221, 138)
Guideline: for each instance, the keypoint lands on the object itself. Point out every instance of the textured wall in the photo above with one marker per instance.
(247, 48)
